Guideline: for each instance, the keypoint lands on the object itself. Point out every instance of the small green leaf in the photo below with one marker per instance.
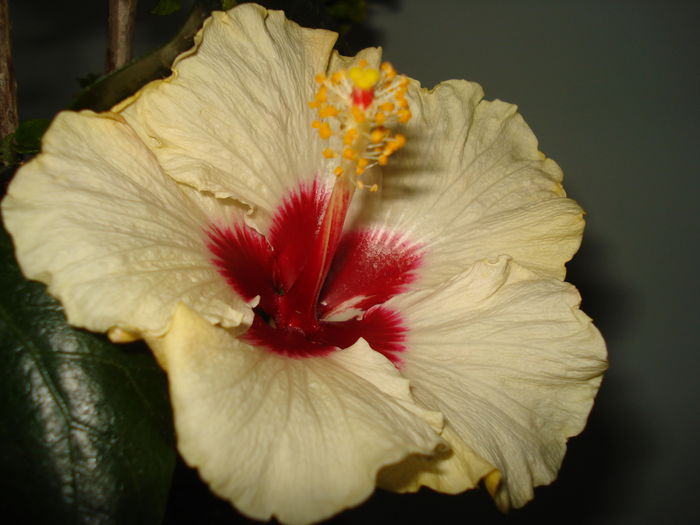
(86, 435)
(27, 139)
(166, 7)
(228, 4)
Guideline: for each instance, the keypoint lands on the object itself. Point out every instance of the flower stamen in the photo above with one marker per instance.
(356, 108)
(360, 106)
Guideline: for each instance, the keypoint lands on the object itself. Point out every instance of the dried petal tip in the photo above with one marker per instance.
(360, 106)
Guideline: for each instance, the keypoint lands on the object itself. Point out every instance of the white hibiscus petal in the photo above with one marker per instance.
(450, 471)
(234, 119)
(116, 240)
(472, 172)
(510, 361)
(299, 439)
(373, 56)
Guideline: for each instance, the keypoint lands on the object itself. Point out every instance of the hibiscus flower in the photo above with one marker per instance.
(364, 289)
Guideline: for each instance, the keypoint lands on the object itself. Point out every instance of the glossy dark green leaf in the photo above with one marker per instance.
(86, 435)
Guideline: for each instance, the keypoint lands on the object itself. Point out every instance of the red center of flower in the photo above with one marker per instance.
(320, 288)
(362, 98)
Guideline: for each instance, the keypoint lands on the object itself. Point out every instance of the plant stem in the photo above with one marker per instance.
(118, 85)
(120, 33)
(8, 84)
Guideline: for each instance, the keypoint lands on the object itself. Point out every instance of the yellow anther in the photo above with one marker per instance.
(363, 78)
(325, 131)
(361, 166)
(377, 135)
(398, 142)
(337, 77)
(328, 111)
(390, 148)
(350, 136)
(359, 184)
(358, 103)
(373, 188)
(358, 114)
(404, 116)
(349, 153)
(388, 70)
(321, 94)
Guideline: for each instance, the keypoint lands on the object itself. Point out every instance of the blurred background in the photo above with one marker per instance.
(612, 90)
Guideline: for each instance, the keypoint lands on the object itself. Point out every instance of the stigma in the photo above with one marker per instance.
(358, 109)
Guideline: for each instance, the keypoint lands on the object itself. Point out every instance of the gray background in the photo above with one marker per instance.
(611, 90)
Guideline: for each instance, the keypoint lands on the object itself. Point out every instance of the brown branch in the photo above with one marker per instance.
(8, 84)
(120, 33)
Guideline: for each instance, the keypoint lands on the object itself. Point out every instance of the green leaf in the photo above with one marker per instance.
(166, 7)
(27, 139)
(86, 435)
(228, 4)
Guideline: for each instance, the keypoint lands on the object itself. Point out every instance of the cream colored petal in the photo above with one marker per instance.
(472, 173)
(450, 471)
(118, 242)
(299, 439)
(234, 119)
(510, 361)
(373, 56)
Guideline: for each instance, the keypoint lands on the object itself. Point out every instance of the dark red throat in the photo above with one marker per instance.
(358, 272)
